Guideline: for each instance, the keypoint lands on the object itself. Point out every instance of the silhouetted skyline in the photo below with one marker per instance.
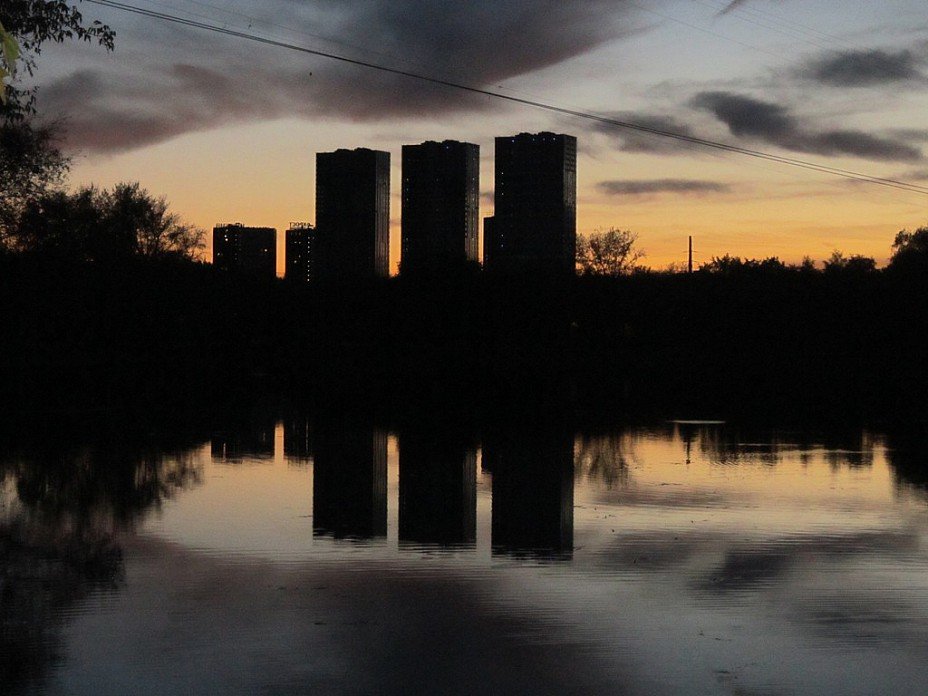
(534, 228)
(677, 61)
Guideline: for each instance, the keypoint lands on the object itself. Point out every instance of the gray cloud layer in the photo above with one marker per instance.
(638, 141)
(866, 68)
(643, 187)
(773, 123)
(207, 80)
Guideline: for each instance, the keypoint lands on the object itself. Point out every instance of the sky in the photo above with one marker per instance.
(227, 130)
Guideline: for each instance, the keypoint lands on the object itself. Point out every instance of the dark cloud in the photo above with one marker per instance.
(865, 68)
(630, 140)
(772, 123)
(644, 187)
(916, 134)
(204, 80)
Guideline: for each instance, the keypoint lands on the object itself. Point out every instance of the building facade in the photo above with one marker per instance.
(301, 258)
(534, 226)
(441, 203)
(353, 214)
(251, 250)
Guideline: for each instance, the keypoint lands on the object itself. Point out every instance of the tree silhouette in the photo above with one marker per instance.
(910, 251)
(98, 225)
(839, 263)
(735, 264)
(608, 252)
(31, 164)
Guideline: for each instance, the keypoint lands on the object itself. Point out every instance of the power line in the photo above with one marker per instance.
(703, 30)
(742, 12)
(605, 120)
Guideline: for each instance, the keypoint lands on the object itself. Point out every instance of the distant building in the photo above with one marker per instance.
(441, 194)
(301, 253)
(353, 214)
(534, 226)
(251, 250)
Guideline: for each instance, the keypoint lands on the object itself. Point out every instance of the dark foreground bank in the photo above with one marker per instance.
(172, 336)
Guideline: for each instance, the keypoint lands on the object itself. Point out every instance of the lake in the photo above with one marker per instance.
(332, 555)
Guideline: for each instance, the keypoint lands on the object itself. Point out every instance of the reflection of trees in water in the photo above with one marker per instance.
(102, 490)
(43, 573)
(907, 454)
(851, 450)
(604, 458)
(723, 445)
(59, 526)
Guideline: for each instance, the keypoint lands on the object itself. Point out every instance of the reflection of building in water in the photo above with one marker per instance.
(298, 439)
(533, 494)
(438, 491)
(251, 440)
(349, 480)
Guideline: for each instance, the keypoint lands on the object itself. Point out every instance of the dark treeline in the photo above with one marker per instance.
(165, 333)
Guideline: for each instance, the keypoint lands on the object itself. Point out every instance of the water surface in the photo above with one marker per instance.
(333, 556)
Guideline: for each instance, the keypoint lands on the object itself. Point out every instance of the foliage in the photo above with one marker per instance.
(910, 251)
(31, 166)
(608, 252)
(807, 265)
(735, 264)
(27, 25)
(98, 225)
(855, 263)
(9, 54)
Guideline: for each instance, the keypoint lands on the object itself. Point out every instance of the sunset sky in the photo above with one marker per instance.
(228, 129)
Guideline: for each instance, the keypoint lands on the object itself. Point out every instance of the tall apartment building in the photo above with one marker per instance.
(251, 250)
(441, 202)
(534, 225)
(353, 214)
(300, 261)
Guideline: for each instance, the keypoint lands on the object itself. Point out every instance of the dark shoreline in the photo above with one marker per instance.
(164, 341)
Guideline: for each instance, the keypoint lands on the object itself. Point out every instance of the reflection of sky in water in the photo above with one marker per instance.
(701, 563)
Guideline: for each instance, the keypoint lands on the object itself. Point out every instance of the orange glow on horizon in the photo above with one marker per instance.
(777, 212)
